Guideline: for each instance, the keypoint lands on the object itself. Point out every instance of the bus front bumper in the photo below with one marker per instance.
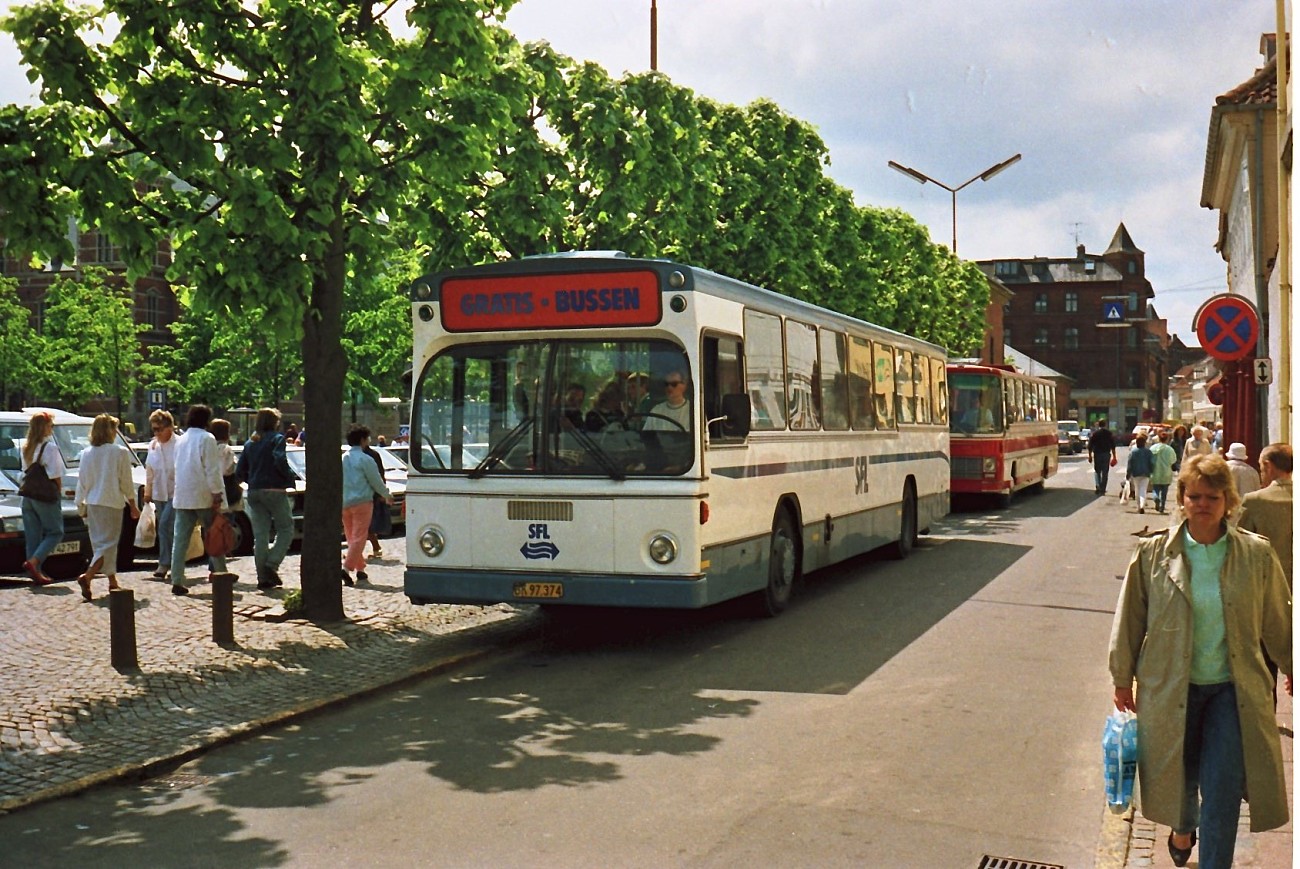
(427, 585)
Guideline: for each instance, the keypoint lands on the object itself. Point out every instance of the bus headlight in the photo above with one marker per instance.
(663, 549)
(432, 542)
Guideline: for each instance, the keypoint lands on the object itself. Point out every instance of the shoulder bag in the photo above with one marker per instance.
(37, 484)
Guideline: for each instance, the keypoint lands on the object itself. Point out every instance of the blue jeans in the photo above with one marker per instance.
(269, 509)
(42, 528)
(1161, 491)
(165, 522)
(185, 522)
(1213, 763)
(1101, 471)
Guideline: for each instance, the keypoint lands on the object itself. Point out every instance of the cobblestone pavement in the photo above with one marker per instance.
(69, 720)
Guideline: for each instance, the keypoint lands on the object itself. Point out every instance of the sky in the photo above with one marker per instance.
(1108, 101)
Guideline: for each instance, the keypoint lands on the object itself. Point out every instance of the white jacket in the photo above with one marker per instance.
(198, 471)
(104, 476)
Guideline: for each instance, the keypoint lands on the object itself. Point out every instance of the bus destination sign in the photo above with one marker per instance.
(564, 301)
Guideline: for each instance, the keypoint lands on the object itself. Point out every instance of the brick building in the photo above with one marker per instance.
(154, 302)
(1091, 317)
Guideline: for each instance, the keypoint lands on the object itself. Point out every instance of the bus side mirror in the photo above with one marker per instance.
(735, 410)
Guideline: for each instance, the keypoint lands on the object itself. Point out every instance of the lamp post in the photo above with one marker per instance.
(922, 178)
(1120, 323)
(654, 35)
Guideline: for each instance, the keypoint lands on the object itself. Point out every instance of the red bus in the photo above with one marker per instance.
(1002, 428)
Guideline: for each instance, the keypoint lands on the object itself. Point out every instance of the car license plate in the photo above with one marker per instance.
(546, 590)
(69, 548)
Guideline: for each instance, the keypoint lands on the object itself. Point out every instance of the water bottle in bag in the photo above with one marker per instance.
(1119, 743)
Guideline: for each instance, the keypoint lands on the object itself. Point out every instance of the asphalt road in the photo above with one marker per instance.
(916, 714)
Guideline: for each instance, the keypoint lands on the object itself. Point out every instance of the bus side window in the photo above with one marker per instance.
(723, 377)
(884, 386)
(861, 391)
(906, 391)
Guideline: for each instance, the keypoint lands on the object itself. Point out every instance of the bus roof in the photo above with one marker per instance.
(679, 277)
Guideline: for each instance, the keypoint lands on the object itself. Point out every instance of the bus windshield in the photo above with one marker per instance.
(976, 403)
(559, 407)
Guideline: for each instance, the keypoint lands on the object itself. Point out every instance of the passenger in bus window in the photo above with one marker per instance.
(570, 416)
(607, 412)
(674, 412)
(639, 400)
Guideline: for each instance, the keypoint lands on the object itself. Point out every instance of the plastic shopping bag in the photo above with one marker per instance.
(146, 530)
(195, 548)
(1119, 755)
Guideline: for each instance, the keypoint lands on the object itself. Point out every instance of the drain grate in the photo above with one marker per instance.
(178, 781)
(1012, 863)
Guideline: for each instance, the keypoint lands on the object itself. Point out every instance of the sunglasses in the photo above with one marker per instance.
(674, 383)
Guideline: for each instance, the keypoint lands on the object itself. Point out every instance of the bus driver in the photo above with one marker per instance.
(674, 407)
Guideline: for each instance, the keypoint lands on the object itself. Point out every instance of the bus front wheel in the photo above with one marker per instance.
(782, 566)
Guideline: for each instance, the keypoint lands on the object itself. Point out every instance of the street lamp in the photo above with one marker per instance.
(922, 178)
(654, 35)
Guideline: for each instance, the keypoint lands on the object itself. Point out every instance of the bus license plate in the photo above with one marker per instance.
(547, 590)
(69, 548)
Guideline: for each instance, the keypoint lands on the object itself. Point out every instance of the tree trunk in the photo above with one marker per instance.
(324, 368)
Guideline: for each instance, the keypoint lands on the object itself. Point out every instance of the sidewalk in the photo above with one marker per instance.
(1136, 843)
(69, 720)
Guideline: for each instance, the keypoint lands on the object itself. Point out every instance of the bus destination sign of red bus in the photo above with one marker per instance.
(557, 301)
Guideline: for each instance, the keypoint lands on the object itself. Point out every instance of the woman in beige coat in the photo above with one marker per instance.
(1198, 601)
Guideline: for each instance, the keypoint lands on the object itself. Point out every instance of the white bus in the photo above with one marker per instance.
(555, 458)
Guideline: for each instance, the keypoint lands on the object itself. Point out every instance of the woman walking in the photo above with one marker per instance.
(103, 487)
(1200, 605)
(42, 520)
(361, 482)
(265, 468)
(1163, 459)
(160, 485)
(1139, 468)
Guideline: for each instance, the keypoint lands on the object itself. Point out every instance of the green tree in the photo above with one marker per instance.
(227, 361)
(377, 327)
(274, 143)
(20, 346)
(91, 342)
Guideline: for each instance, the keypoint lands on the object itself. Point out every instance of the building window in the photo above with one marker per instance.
(1071, 303)
(1132, 376)
(1132, 267)
(1040, 303)
(105, 250)
(1006, 336)
(1040, 337)
(1071, 338)
(153, 313)
(1005, 268)
(1133, 302)
(1132, 338)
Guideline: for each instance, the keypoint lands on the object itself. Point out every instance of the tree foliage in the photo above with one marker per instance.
(274, 143)
(20, 346)
(90, 342)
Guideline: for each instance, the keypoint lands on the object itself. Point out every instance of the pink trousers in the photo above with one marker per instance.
(356, 528)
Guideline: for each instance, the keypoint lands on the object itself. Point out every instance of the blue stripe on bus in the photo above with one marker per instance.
(772, 468)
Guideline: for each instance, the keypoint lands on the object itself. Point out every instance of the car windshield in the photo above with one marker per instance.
(71, 438)
(591, 407)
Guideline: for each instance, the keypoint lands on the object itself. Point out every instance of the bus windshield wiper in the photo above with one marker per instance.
(598, 452)
(503, 446)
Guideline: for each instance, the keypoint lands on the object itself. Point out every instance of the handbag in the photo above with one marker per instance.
(1114, 460)
(381, 520)
(195, 547)
(146, 530)
(37, 484)
(220, 538)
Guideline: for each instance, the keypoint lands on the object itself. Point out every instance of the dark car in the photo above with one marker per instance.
(69, 558)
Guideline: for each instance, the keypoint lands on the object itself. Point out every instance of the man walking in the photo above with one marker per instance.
(1101, 452)
(1268, 510)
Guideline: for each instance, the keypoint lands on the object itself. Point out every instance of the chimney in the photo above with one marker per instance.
(1268, 45)
(1078, 252)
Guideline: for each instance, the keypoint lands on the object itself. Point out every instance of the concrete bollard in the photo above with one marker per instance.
(223, 608)
(121, 626)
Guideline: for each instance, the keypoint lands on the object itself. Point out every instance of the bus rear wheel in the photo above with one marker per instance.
(782, 567)
(906, 541)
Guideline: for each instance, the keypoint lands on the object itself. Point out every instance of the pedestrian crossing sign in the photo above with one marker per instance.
(1112, 312)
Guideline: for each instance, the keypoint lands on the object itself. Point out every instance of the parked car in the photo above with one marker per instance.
(69, 558)
(1070, 429)
(1064, 443)
(71, 436)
